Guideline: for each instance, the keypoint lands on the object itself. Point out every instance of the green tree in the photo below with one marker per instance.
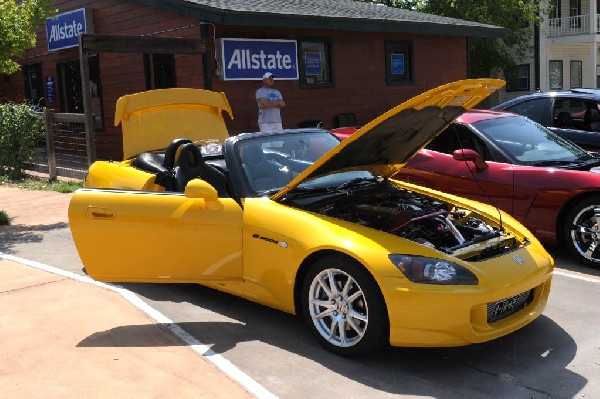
(18, 23)
(486, 54)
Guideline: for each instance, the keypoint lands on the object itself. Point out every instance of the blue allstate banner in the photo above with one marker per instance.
(249, 59)
(63, 31)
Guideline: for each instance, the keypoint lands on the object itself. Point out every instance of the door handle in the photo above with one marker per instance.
(97, 212)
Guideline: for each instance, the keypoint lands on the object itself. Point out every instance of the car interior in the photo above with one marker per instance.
(181, 162)
(456, 137)
(262, 173)
(576, 113)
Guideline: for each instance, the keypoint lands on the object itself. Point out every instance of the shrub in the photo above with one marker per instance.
(20, 129)
(4, 218)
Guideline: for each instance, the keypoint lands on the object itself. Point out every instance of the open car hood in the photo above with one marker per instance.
(152, 119)
(387, 143)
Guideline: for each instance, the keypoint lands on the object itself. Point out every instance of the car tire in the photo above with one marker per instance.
(344, 307)
(581, 232)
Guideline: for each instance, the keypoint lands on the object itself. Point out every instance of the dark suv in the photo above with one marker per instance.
(573, 114)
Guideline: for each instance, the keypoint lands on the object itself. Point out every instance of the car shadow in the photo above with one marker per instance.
(533, 359)
(13, 235)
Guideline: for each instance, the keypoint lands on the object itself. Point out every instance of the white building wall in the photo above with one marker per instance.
(566, 54)
(582, 47)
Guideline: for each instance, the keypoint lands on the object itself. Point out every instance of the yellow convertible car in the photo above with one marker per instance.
(300, 222)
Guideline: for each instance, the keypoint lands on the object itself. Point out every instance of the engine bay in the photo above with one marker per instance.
(424, 220)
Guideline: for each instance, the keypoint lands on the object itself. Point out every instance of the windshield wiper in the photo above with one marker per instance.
(299, 192)
(555, 162)
(269, 192)
(357, 182)
(590, 160)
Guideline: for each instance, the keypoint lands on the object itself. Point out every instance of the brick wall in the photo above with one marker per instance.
(358, 65)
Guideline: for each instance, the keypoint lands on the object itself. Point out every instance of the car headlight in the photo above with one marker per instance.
(419, 269)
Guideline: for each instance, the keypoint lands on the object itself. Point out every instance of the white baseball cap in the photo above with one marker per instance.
(268, 75)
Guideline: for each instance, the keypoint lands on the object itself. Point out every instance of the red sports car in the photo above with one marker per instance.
(549, 184)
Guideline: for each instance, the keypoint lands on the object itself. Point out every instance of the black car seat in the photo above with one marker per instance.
(594, 120)
(161, 164)
(154, 163)
(591, 117)
(191, 165)
(171, 152)
(262, 173)
(564, 120)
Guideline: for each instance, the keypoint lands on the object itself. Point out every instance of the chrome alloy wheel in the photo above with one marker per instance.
(585, 233)
(338, 308)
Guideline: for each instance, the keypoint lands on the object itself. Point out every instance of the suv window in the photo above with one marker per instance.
(585, 114)
(533, 109)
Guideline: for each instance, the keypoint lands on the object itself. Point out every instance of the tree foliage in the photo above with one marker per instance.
(486, 54)
(516, 16)
(18, 23)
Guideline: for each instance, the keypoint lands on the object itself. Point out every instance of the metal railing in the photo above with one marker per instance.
(66, 152)
(569, 26)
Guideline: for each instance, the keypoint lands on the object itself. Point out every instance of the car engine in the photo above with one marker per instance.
(421, 219)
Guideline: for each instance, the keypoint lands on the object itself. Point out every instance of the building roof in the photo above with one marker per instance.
(329, 15)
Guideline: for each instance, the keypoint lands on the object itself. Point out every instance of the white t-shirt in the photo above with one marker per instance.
(268, 115)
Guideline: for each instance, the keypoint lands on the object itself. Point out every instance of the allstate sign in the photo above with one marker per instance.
(63, 30)
(249, 59)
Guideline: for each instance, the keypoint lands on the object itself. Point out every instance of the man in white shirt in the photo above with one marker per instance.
(269, 101)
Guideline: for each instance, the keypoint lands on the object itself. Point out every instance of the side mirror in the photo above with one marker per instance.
(466, 154)
(197, 188)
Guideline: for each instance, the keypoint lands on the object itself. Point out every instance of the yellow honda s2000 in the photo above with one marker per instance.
(300, 222)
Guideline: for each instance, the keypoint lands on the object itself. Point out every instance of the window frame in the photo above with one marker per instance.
(327, 60)
(394, 47)
(510, 79)
(64, 95)
(39, 84)
(556, 10)
(580, 67)
(153, 62)
(562, 75)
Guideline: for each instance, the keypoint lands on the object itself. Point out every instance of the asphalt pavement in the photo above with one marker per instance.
(64, 336)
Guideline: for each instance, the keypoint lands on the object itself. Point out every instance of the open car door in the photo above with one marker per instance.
(145, 236)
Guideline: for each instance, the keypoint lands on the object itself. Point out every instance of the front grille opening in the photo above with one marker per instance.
(505, 307)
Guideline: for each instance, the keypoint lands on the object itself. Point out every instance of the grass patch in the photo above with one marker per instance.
(36, 183)
(4, 220)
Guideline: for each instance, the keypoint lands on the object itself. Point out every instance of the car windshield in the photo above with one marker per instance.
(271, 162)
(528, 142)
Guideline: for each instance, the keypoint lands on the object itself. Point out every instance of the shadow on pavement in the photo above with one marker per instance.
(533, 359)
(11, 235)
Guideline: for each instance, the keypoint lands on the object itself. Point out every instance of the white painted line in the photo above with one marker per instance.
(577, 276)
(212, 357)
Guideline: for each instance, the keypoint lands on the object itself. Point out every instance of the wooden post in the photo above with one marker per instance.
(95, 43)
(52, 175)
(90, 134)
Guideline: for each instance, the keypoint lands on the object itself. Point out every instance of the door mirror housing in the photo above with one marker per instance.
(197, 188)
(467, 154)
